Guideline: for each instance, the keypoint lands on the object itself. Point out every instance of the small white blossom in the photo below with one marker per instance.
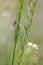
(35, 46)
(30, 43)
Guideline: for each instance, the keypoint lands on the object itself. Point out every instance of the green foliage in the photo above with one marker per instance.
(24, 21)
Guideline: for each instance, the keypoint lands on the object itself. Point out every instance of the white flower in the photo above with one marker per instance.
(30, 43)
(35, 46)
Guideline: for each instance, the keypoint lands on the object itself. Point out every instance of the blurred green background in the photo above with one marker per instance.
(8, 10)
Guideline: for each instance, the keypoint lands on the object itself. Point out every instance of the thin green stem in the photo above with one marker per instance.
(17, 31)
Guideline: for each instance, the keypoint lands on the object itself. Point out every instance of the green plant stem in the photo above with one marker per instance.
(27, 26)
(17, 31)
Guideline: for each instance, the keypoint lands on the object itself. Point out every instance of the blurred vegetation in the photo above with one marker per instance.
(13, 43)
